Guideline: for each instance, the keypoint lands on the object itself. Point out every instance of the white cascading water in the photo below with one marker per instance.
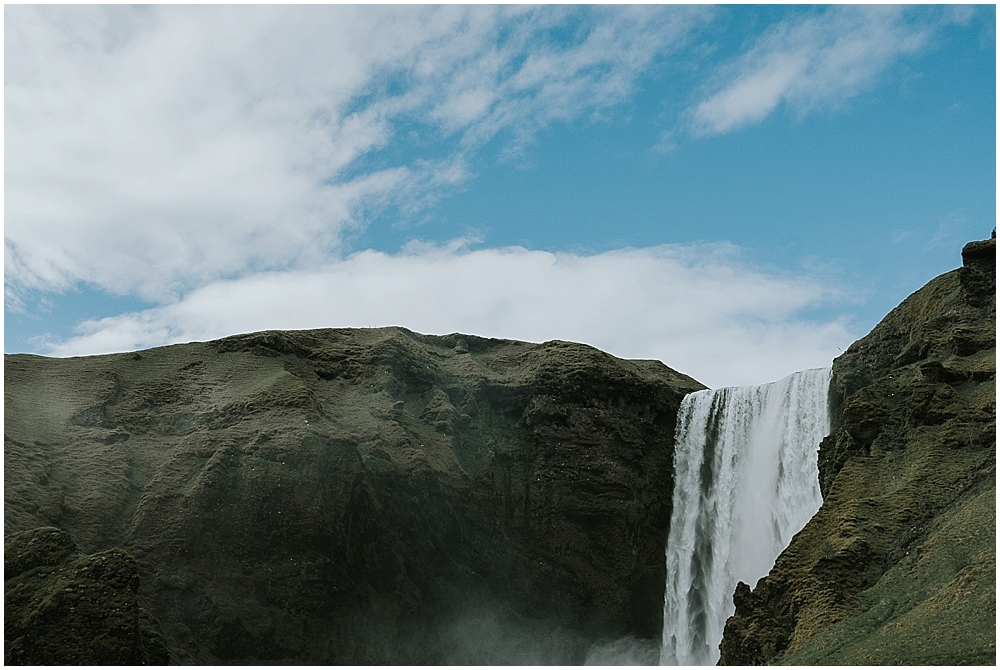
(745, 481)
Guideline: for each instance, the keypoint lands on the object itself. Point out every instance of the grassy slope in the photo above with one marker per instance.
(936, 606)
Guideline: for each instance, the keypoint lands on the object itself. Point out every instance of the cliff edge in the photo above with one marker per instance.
(899, 564)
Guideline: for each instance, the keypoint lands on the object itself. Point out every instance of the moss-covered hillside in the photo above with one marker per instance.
(899, 564)
(356, 496)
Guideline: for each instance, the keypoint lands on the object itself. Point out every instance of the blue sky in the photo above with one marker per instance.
(738, 191)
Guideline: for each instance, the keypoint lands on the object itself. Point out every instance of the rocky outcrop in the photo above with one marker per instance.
(358, 496)
(64, 608)
(899, 564)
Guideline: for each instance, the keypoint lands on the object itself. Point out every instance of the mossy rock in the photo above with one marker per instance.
(64, 608)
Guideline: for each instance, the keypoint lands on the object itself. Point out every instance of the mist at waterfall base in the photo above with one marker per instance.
(745, 481)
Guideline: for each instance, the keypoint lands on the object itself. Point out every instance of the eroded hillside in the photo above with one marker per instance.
(358, 496)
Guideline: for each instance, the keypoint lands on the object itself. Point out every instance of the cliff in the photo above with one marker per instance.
(341, 496)
(899, 564)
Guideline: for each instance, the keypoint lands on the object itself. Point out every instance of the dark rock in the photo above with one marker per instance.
(42, 547)
(63, 608)
(753, 635)
(982, 253)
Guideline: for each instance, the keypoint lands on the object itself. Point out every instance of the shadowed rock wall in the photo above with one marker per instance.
(359, 496)
(899, 564)
(62, 608)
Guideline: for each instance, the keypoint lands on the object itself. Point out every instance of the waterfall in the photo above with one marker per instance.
(745, 481)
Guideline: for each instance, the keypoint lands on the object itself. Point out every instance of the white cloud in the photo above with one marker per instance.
(152, 149)
(667, 144)
(699, 309)
(817, 61)
(211, 160)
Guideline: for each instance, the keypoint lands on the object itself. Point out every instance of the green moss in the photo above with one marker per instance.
(61, 608)
(936, 606)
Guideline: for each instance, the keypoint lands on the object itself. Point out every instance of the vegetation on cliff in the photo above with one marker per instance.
(899, 564)
(61, 607)
(357, 496)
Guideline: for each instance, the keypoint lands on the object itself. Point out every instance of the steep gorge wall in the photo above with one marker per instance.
(899, 564)
(355, 496)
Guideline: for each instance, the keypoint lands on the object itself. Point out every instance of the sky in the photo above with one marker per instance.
(738, 191)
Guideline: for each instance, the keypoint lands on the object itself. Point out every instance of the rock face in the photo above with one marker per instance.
(899, 564)
(61, 607)
(350, 496)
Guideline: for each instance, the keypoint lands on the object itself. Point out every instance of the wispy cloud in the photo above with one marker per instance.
(811, 62)
(152, 149)
(949, 232)
(667, 144)
(701, 309)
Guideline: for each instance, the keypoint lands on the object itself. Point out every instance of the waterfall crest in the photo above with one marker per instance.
(745, 481)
